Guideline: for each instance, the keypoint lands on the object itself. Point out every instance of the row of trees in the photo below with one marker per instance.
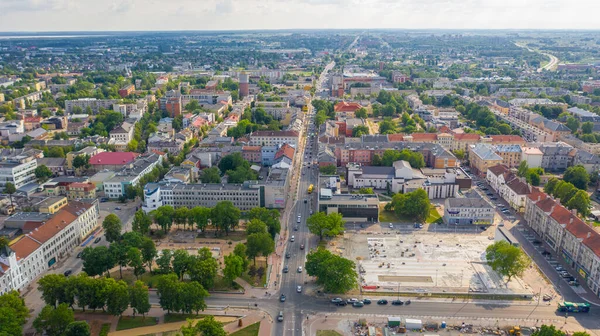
(390, 156)
(86, 292)
(569, 195)
(237, 168)
(201, 267)
(13, 314)
(224, 217)
(485, 120)
(325, 225)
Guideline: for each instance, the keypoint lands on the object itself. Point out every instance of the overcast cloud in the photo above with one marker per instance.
(72, 15)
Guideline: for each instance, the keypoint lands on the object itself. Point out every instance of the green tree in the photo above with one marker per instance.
(360, 130)
(181, 216)
(572, 124)
(163, 216)
(587, 127)
(269, 217)
(203, 268)
(81, 161)
(200, 216)
(336, 274)
(192, 296)
(78, 328)
(259, 244)
(414, 205)
(112, 227)
(117, 299)
(13, 314)
(367, 191)
(361, 113)
(328, 170)
(578, 176)
(118, 254)
(169, 291)
(504, 129)
(54, 321)
(534, 179)
(325, 225)
(211, 175)
(240, 251)
(255, 226)
(52, 287)
(10, 189)
(164, 262)
(551, 185)
(180, 262)
(506, 259)
(548, 330)
(523, 169)
(97, 260)
(460, 154)
(43, 173)
(208, 326)
(139, 299)
(134, 260)
(141, 222)
(148, 249)
(234, 267)
(564, 190)
(581, 202)
(225, 216)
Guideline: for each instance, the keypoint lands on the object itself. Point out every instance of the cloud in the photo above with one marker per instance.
(224, 7)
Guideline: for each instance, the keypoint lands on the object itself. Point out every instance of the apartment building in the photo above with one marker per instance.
(17, 166)
(123, 133)
(130, 174)
(94, 104)
(468, 211)
(482, 157)
(567, 235)
(126, 90)
(557, 156)
(81, 191)
(90, 150)
(34, 253)
(510, 187)
(111, 160)
(511, 154)
(273, 138)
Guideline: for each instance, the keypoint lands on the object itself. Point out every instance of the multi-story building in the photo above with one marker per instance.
(52, 204)
(81, 190)
(567, 235)
(173, 147)
(130, 175)
(90, 151)
(510, 187)
(111, 160)
(557, 156)
(584, 115)
(123, 133)
(272, 138)
(482, 157)
(551, 127)
(52, 241)
(590, 86)
(94, 104)
(126, 90)
(56, 165)
(252, 154)
(468, 211)
(17, 166)
(511, 154)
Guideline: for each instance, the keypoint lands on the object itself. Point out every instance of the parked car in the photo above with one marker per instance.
(118, 208)
(573, 283)
(97, 240)
(342, 303)
(382, 302)
(336, 300)
(397, 302)
(67, 273)
(366, 301)
(358, 304)
(79, 255)
(352, 300)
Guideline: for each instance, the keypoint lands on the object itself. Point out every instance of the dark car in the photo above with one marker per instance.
(382, 302)
(366, 301)
(282, 298)
(397, 302)
(67, 273)
(302, 246)
(288, 255)
(97, 240)
(342, 303)
(79, 254)
(285, 269)
(358, 304)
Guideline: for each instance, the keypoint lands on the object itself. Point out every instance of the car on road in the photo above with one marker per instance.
(302, 246)
(418, 226)
(67, 273)
(299, 270)
(342, 303)
(559, 268)
(382, 302)
(366, 301)
(288, 255)
(305, 200)
(336, 300)
(280, 317)
(391, 226)
(358, 304)
(493, 198)
(118, 208)
(292, 238)
(97, 240)
(295, 228)
(299, 289)
(397, 302)
(286, 269)
(104, 200)
(282, 298)
(352, 300)
(573, 283)
(79, 254)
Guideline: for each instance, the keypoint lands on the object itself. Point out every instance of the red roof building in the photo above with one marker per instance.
(112, 160)
(346, 107)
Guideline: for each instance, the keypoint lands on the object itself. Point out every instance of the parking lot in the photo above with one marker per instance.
(427, 262)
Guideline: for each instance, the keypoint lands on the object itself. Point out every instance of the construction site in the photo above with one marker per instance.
(423, 263)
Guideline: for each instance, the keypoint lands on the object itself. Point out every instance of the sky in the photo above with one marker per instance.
(118, 15)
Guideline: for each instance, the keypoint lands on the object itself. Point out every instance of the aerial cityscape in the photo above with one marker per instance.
(282, 180)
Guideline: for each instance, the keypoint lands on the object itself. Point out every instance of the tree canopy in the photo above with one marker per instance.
(336, 274)
(506, 259)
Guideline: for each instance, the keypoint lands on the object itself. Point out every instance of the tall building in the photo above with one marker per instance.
(244, 85)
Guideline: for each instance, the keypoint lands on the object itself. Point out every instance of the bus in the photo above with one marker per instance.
(570, 307)
(310, 189)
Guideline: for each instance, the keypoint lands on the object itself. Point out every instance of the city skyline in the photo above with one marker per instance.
(138, 15)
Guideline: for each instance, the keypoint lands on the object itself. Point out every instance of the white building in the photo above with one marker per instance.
(511, 188)
(17, 166)
(93, 103)
(273, 138)
(468, 211)
(533, 156)
(130, 175)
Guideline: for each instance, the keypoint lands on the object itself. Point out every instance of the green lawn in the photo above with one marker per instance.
(130, 322)
(105, 329)
(222, 285)
(328, 333)
(251, 330)
(434, 215)
(596, 223)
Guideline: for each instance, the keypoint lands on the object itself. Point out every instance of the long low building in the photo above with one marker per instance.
(468, 211)
(355, 207)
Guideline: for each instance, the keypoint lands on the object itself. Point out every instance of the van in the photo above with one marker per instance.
(280, 317)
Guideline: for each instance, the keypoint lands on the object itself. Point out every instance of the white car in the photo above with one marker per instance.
(299, 269)
(299, 289)
(391, 226)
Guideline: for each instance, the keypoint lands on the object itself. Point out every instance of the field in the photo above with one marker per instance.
(251, 330)
(130, 322)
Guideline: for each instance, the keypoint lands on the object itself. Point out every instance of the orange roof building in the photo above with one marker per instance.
(346, 107)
